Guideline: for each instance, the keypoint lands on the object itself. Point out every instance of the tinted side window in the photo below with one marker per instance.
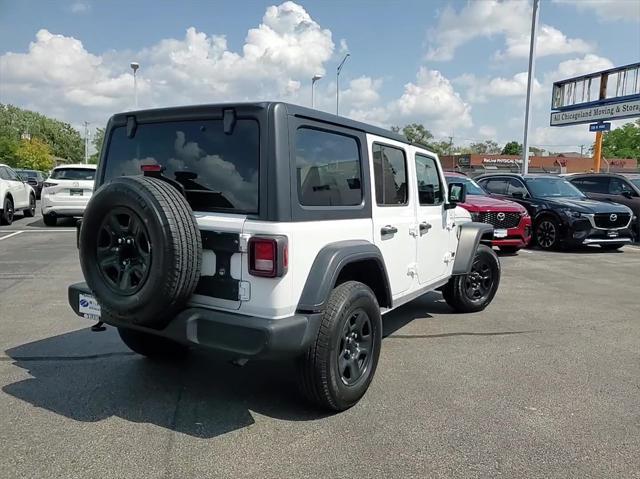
(495, 185)
(618, 186)
(11, 175)
(390, 170)
(3, 174)
(516, 186)
(430, 191)
(328, 169)
(593, 184)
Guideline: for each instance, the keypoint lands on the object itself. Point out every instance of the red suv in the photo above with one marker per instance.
(511, 222)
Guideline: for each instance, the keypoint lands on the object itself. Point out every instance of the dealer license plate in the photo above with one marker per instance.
(500, 233)
(76, 192)
(612, 234)
(88, 307)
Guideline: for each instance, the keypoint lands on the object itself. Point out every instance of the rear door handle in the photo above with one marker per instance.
(424, 227)
(388, 230)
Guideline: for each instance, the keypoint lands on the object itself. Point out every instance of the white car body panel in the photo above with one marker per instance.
(18, 190)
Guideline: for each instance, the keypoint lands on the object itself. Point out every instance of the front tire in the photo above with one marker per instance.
(338, 368)
(31, 211)
(475, 290)
(547, 233)
(6, 218)
(152, 346)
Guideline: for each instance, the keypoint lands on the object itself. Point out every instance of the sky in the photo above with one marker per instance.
(458, 67)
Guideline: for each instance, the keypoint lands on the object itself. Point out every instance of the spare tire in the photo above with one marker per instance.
(140, 250)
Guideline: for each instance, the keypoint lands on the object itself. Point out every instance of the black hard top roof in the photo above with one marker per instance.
(296, 110)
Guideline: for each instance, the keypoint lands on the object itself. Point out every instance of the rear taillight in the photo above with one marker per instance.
(268, 256)
(47, 184)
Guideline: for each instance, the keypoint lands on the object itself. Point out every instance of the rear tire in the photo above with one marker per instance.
(336, 371)
(6, 218)
(152, 346)
(474, 291)
(50, 220)
(31, 211)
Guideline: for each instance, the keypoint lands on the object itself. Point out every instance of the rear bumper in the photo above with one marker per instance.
(238, 335)
(52, 206)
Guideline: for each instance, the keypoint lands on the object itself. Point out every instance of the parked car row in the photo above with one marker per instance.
(64, 194)
(554, 211)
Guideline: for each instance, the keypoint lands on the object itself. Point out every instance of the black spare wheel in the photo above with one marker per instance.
(140, 250)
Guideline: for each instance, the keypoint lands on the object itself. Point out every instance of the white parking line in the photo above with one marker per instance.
(52, 230)
(10, 235)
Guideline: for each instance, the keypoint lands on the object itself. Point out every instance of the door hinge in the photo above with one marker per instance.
(413, 230)
(413, 269)
(244, 243)
(244, 291)
(448, 257)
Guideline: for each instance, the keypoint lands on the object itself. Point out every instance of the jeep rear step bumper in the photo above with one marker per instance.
(242, 337)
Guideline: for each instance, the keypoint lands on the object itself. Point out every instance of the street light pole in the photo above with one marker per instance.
(86, 142)
(530, 80)
(134, 66)
(313, 82)
(338, 70)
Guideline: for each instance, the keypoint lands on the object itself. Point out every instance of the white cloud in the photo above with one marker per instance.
(608, 10)
(479, 89)
(58, 76)
(485, 19)
(590, 63)
(80, 7)
(487, 131)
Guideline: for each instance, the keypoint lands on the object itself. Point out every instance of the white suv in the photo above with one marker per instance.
(66, 192)
(15, 195)
(270, 230)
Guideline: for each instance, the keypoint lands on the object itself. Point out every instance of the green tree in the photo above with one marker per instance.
(622, 142)
(63, 140)
(98, 140)
(34, 154)
(415, 133)
(8, 147)
(487, 147)
(512, 148)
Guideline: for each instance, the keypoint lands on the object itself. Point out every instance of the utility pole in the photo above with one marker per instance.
(581, 150)
(530, 80)
(86, 142)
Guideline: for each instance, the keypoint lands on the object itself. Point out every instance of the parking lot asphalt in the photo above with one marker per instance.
(544, 383)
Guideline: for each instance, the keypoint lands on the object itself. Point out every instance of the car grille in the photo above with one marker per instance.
(611, 220)
(510, 220)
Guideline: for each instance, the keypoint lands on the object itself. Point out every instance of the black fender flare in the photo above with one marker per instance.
(469, 237)
(328, 264)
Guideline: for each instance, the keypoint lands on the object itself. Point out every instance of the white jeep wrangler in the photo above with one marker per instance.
(270, 230)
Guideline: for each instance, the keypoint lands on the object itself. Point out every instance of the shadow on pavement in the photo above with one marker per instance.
(89, 376)
(77, 376)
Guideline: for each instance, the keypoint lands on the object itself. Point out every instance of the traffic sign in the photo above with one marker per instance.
(604, 126)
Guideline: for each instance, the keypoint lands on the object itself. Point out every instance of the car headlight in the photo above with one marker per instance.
(572, 213)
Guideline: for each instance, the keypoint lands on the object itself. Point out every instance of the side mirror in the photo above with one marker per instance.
(627, 194)
(518, 194)
(457, 194)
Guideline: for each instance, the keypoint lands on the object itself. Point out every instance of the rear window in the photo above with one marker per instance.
(328, 169)
(73, 174)
(219, 171)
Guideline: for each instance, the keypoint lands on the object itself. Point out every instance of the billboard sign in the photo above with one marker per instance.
(606, 95)
(590, 114)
